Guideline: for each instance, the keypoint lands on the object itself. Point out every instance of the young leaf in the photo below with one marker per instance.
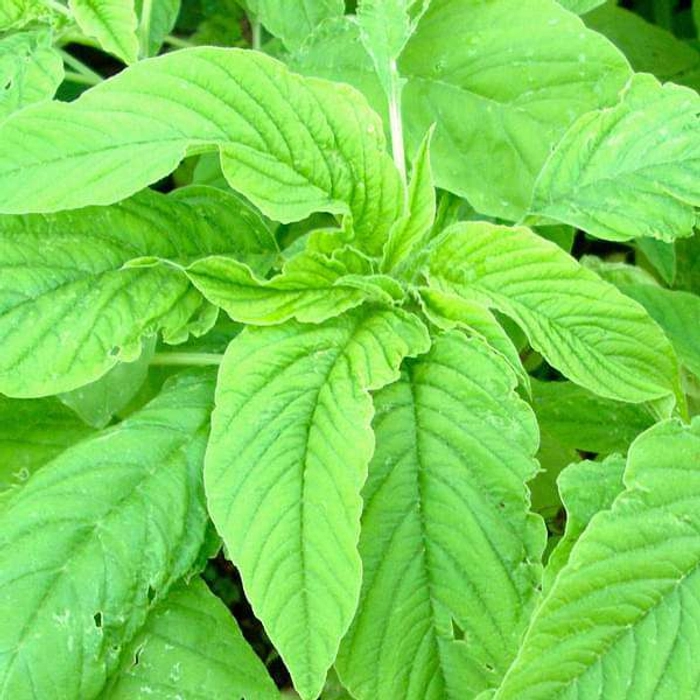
(290, 444)
(30, 71)
(586, 488)
(579, 419)
(94, 537)
(112, 22)
(156, 20)
(293, 20)
(408, 232)
(310, 289)
(678, 313)
(583, 326)
(502, 96)
(291, 145)
(629, 171)
(190, 646)
(619, 620)
(96, 403)
(449, 551)
(69, 312)
(661, 256)
(31, 434)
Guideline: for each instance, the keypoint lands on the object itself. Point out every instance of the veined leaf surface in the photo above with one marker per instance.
(94, 536)
(290, 444)
(584, 326)
(449, 551)
(621, 619)
(291, 145)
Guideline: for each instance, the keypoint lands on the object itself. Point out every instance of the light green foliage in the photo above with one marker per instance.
(30, 71)
(449, 551)
(310, 288)
(619, 620)
(112, 22)
(69, 311)
(96, 403)
(648, 47)
(411, 231)
(581, 7)
(583, 326)
(15, 14)
(288, 455)
(629, 171)
(156, 20)
(502, 96)
(586, 489)
(192, 647)
(110, 524)
(293, 20)
(678, 313)
(315, 146)
(33, 432)
(661, 256)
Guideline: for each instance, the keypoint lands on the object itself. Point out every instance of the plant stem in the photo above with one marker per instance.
(256, 31)
(145, 28)
(80, 78)
(58, 7)
(199, 359)
(395, 122)
(177, 42)
(80, 67)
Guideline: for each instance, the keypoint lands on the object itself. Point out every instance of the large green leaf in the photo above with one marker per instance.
(621, 620)
(501, 95)
(629, 171)
(293, 20)
(449, 551)
(310, 288)
(291, 145)
(584, 326)
(678, 313)
(586, 489)
(190, 647)
(30, 71)
(290, 444)
(93, 538)
(69, 312)
(112, 22)
(33, 432)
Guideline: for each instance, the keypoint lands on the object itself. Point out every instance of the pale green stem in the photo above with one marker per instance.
(395, 122)
(177, 42)
(80, 67)
(145, 27)
(256, 31)
(81, 79)
(198, 359)
(58, 7)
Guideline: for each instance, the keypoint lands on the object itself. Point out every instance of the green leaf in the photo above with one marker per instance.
(579, 419)
(156, 20)
(586, 489)
(288, 455)
(649, 48)
(112, 22)
(293, 20)
(410, 231)
(678, 313)
(310, 289)
(661, 256)
(190, 646)
(15, 14)
(33, 432)
(688, 264)
(629, 171)
(315, 146)
(502, 96)
(96, 403)
(580, 7)
(94, 537)
(447, 311)
(619, 620)
(584, 327)
(30, 71)
(449, 551)
(69, 312)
